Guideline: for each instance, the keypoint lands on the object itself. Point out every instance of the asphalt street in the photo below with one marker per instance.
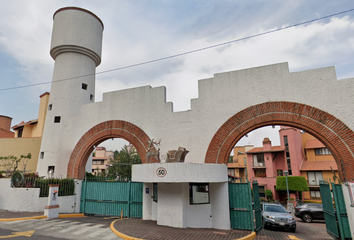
(97, 227)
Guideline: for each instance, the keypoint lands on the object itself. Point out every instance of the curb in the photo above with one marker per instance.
(248, 237)
(119, 234)
(126, 237)
(43, 216)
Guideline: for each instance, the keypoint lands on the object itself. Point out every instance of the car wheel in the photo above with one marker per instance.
(264, 225)
(306, 218)
(293, 229)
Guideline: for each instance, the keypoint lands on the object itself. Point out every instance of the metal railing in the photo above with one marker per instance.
(66, 185)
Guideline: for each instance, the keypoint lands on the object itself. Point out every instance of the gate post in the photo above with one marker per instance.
(257, 207)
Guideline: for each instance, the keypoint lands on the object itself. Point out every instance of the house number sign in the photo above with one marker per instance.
(161, 172)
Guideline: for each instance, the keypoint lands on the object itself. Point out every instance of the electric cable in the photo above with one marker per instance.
(184, 53)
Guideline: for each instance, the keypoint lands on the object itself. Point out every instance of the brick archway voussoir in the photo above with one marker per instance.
(100, 133)
(338, 137)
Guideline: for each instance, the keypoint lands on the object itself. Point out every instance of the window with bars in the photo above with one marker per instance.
(322, 151)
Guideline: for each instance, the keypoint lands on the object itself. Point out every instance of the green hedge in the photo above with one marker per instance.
(295, 183)
(66, 186)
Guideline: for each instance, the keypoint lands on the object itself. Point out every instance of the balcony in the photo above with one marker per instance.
(259, 165)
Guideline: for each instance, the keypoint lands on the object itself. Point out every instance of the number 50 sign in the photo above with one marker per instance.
(161, 172)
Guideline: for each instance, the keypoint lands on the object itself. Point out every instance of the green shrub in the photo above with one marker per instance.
(66, 186)
(269, 194)
(295, 183)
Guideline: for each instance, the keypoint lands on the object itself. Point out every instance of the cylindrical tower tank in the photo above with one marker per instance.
(76, 48)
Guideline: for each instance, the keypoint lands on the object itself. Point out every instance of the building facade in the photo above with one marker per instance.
(101, 161)
(318, 165)
(238, 168)
(26, 138)
(299, 153)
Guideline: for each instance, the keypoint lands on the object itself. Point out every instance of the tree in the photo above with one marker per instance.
(231, 159)
(11, 162)
(121, 165)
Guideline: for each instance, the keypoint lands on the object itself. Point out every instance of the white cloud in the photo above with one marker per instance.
(141, 31)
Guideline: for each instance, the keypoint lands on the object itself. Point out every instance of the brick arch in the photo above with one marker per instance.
(100, 133)
(332, 132)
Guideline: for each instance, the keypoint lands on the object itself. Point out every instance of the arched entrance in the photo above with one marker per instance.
(100, 133)
(332, 132)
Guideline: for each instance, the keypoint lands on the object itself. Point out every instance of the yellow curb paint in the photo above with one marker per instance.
(19, 234)
(293, 237)
(119, 234)
(70, 215)
(249, 236)
(20, 219)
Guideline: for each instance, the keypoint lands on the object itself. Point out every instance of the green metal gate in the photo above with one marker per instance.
(337, 229)
(257, 207)
(241, 212)
(107, 197)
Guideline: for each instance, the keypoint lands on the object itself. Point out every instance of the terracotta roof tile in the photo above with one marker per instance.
(24, 124)
(261, 150)
(313, 143)
(318, 165)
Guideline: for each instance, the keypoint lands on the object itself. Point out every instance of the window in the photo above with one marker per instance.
(279, 172)
(314, 178)
(97, 162)
(20, 132)
(322, 151)
(41, 156)
(287, 154)
(57, 119)
(315, 194)
(50, 107)
(199, 193)
(84, 86)
(91, 97)
(154, 192)
(261, 191)
(260, 173)
(258, 160)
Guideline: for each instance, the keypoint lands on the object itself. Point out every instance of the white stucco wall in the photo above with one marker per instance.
(350, 207)
(174, 209)
(223, 96)
(147, 202)
(220, 208)
(170, 205)
(180, 172)
(28, 200)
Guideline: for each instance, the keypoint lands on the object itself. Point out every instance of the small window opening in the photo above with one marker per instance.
(50, 106)
(91, 97)
(41, 155)
(84, 86)
(19, 132)
(57, 119)
(199, 193)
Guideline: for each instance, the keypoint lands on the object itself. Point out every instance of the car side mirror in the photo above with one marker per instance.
(289, 212)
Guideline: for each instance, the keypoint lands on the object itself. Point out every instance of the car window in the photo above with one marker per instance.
(279, 209)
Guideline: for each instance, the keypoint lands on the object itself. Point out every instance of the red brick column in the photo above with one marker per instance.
(332, 132)
(100, 133)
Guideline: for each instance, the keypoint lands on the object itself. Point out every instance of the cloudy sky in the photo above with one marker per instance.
(140, 31)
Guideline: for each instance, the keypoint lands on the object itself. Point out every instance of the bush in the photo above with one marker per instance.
(295, 183)
(66, 186)
(269, 194)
